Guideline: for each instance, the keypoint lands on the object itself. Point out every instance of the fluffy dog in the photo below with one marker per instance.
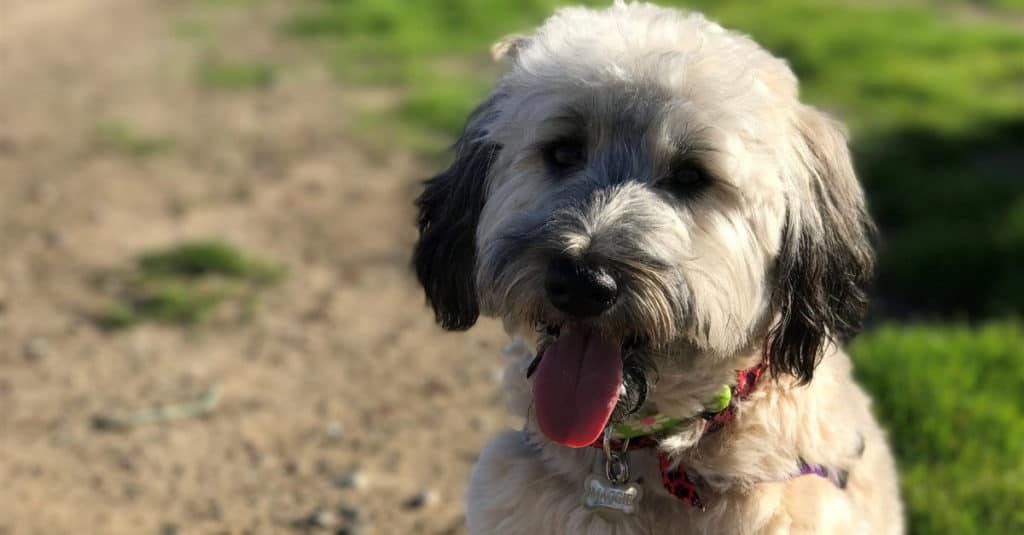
(677, 246)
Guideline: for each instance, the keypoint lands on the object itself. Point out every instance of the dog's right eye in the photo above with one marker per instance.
(686, 179)
(565, 154)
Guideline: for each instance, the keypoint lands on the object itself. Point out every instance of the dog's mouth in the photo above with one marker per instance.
(577, 383)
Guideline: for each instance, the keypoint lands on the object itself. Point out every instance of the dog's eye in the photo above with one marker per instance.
(686, 179)
(565, 154)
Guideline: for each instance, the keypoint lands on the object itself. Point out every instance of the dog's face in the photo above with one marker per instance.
(643, 186)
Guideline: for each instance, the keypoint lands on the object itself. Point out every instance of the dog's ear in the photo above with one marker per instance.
(449, 210)
(826, 260)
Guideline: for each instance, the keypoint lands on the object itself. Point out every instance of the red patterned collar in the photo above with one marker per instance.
(675, 478)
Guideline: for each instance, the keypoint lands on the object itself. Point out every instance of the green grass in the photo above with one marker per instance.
(218, 73)
(952, 399)
(184, 283)
(123, 139)
(889, 66)
(197, 259)
(407, 43)
(996, 6)
(934, 102)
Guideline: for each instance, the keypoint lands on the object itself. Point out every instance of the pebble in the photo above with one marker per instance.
(354, 522)
(354, 479)
(323, 519)
(206, 511)
(320, 518)
(291, 468)
(37, 348)
(421, 500)
(334, 433)
(52, 238)
(132, 491)
(322, 466)
(350, 514)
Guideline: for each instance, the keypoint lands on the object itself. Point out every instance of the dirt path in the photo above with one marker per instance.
(339, 372)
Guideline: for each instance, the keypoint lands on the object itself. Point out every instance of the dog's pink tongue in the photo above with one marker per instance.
(576, 386)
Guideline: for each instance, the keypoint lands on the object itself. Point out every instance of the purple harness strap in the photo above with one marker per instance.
(837, 477)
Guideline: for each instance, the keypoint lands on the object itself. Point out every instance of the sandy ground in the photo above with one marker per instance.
(341, 398)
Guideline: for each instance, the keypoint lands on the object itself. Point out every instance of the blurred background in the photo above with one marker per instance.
(207, 318)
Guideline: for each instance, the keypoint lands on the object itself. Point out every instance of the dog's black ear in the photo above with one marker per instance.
(826, 260)
(449, 210)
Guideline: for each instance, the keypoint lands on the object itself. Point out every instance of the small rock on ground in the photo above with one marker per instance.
(421, 500)
(37, 348)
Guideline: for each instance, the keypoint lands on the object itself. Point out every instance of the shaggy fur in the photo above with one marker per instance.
(730, 213)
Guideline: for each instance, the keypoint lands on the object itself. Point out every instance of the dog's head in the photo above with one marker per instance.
(644, 187)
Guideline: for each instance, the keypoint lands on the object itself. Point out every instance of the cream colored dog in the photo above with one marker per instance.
(677, 245)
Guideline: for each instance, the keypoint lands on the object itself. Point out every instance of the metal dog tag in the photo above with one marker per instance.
(613, 497)
(611, 501)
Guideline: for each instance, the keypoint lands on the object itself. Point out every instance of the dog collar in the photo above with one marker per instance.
(717, 411)
(657, 423)
(643, 433)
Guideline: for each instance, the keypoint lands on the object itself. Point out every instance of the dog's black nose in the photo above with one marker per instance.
(579, 288)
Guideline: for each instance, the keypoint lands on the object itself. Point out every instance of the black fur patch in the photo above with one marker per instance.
(449, 211)
(822, 277)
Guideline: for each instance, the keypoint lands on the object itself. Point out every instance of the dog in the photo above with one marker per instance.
(677, 247)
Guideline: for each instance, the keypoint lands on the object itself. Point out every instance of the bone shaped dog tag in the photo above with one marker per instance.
(610, 501)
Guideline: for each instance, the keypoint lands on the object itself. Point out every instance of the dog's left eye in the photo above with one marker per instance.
(565, 154)
(686, 179)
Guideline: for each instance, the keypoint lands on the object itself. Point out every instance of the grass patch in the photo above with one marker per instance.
(886, 66)
(125, 140)
(183, 284)
(889, 68)
(406, 43)
(952, 399)
(199, 259)
(218, 73)
(1005, 6)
